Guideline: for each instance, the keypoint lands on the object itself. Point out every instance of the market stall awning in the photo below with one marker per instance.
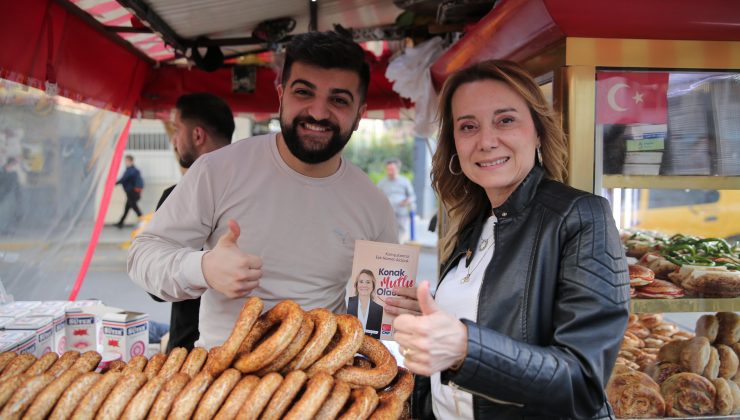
(518, 29)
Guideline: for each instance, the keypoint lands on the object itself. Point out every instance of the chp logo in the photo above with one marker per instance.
(385, 329)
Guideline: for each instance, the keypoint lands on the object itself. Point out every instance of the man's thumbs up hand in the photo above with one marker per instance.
(230, 270)
(230, 237)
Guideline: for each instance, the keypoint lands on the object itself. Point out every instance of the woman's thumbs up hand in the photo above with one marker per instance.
(432, 342)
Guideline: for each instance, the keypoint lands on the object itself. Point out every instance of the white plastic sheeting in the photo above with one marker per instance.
(54, 155)
(411, 79)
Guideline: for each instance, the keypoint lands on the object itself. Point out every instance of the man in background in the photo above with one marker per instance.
(132, 184)
(401, 195)
(203, 123)
(10, 196)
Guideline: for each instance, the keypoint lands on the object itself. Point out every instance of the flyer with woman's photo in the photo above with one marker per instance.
(378, 268)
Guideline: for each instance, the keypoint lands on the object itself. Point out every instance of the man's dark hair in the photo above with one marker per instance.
(130, 157)
(210, 112)
(328, 50)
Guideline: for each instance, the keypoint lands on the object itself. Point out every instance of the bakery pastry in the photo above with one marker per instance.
(640, 275)
(631, 340)
(735, 388)
(639, 331)
(695, 355)
(724, 401)
(645, 360)
(704, 281)
(688, 394)
(638, 247)
(635, 395)
(660, 289)
(650, 320)
(729, 328)
(671, 351)
(711, 371)
(627, 355)
(728, 361)
(663, 370)
(621, 361)
(655, 341)
(663, 338)
(665, 328)
(659, 264)
(736, 347)
(707, 326)
(682, 335)
(621, 368)
(633, 319)
(651, 350)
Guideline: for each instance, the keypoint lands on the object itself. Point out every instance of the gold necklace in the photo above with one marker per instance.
(483, 248)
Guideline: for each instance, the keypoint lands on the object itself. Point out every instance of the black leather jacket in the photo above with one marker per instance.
(552, 308)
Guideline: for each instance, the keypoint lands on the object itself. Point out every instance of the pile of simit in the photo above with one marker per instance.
(285, 363)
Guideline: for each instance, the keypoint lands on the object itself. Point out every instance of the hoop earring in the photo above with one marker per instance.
(539, 157)
(449, 166)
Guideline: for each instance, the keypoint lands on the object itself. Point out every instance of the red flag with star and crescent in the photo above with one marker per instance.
(631, 97)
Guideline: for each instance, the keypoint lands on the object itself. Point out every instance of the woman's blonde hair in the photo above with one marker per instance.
(462, 199)
(357, 279)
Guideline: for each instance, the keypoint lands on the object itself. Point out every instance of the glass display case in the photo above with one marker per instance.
(656, 125)
(653, 126)
(667, 156)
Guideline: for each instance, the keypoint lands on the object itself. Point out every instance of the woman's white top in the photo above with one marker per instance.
(459, 297)
(362, 315)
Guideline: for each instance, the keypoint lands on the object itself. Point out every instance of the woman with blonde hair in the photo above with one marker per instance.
(528, 316)
(363, 306)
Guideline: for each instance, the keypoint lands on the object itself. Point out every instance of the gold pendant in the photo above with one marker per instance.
(465, 279)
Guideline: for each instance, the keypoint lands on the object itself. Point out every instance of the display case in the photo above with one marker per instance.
(661, 140)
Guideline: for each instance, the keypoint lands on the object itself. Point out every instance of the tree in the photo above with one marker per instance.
(370, 149)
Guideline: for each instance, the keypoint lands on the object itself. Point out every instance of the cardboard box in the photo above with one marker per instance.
(83, 325)
(21, 305)
(125, 333)
(19, 341)
(52, 306)
(56, 310)
(12, 311)
(5, 320)
(43, 328)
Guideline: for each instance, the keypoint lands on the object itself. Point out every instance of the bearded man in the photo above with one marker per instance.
(203, 123)
(276, 215)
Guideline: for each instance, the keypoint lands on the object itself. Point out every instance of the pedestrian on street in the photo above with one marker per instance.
(401, 195)
(132, 184)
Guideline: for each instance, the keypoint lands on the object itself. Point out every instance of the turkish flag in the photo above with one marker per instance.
(631, 97)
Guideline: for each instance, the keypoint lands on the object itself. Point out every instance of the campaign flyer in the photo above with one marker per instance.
(378, 268)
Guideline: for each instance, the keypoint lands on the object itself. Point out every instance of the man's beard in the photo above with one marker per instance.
(298, 148)
(186, 160)
(186, 157)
